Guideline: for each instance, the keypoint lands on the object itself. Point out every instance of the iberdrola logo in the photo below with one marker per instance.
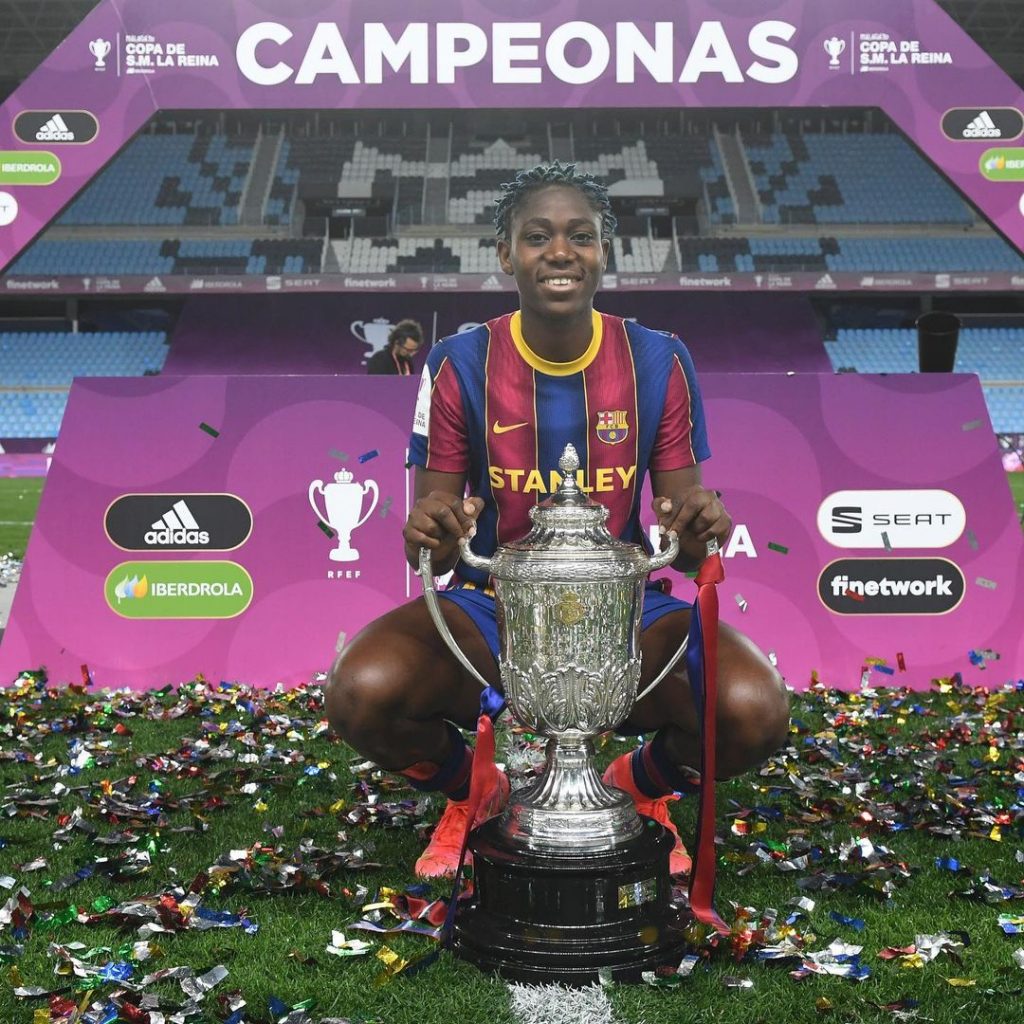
(131, 588)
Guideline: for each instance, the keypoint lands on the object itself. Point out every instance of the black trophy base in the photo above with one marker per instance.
(540, 918)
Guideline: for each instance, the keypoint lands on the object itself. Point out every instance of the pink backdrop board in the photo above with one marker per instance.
(906, 445)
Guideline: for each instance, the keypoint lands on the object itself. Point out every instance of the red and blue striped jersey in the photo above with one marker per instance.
(491, 408)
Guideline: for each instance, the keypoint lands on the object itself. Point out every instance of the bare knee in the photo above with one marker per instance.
(362, 699)
(753, 719)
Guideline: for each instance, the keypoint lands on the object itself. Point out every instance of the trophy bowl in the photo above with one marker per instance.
(569, 602)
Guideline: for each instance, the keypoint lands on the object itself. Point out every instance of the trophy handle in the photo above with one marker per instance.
(370, 485)
(671, 663)
(426, 573)
(660, 560)
(315, 487)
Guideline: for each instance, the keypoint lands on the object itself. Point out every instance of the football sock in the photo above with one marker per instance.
(450, 777)
(654, 773)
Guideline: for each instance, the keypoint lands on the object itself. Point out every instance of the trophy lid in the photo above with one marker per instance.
(569, 539)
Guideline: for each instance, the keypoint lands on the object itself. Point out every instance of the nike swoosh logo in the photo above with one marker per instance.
(499, 429)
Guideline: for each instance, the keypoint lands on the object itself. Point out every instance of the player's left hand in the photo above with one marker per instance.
(697, 515)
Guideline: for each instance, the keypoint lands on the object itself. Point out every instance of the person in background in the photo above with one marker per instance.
(404, 341)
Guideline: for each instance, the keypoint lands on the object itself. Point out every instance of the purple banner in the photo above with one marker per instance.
(396, 284)
(130, 58)
(238, 526)
(338, 333)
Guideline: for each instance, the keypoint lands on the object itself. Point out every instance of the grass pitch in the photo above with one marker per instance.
(19, 502)
(899, 814)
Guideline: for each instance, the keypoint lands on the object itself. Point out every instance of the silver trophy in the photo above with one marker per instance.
(569, 603)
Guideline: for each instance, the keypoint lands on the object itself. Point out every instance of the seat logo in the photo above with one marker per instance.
(178, 522)
(891, 519)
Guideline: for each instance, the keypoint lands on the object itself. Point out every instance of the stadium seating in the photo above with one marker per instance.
(781, 255)
(168, 179)
(31, 413)
(823, 178)
(38, 363)
(171, 256)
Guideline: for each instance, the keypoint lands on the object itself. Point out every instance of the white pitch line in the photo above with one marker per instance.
(555, 1004)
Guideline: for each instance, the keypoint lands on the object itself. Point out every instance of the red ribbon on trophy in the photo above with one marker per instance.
(702, 669)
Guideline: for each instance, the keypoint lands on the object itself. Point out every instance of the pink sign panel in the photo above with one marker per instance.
(237, 526)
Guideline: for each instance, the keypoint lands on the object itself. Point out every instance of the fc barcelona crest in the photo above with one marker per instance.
(612, 426)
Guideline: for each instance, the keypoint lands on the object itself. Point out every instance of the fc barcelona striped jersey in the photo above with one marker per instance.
(491, 408)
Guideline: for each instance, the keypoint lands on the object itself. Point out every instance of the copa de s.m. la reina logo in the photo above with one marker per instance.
(178, 590)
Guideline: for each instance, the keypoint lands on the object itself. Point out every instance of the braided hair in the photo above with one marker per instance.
(513, 193)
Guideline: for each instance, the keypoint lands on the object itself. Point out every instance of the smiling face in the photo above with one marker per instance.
(556, 254)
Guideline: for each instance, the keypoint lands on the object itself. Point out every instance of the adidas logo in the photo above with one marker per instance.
(55, 130)
(825, 281)
(155, 285)
(177, 526)
(491, 284)
(982, 127)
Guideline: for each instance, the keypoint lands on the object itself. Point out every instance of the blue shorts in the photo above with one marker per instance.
(478, 604)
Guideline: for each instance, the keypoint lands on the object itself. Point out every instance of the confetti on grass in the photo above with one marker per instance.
(209, 429)
(781, 548)
(882, 765)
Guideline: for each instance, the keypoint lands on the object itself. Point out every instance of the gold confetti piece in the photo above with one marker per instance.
(338, 805)
(996, 834)
(821, 1004)
(961, 982)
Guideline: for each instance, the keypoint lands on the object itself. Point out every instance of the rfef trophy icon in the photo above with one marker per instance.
(343, 500)
(569, 880)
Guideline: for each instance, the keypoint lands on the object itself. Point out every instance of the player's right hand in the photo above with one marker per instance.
(439, 521)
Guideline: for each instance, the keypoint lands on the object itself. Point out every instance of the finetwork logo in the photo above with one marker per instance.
(178, 522)
(891, 586)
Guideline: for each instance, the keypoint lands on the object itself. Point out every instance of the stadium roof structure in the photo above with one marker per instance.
(31, 29)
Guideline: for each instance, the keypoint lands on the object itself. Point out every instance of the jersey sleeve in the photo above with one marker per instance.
(439, 438)
(682, 438)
